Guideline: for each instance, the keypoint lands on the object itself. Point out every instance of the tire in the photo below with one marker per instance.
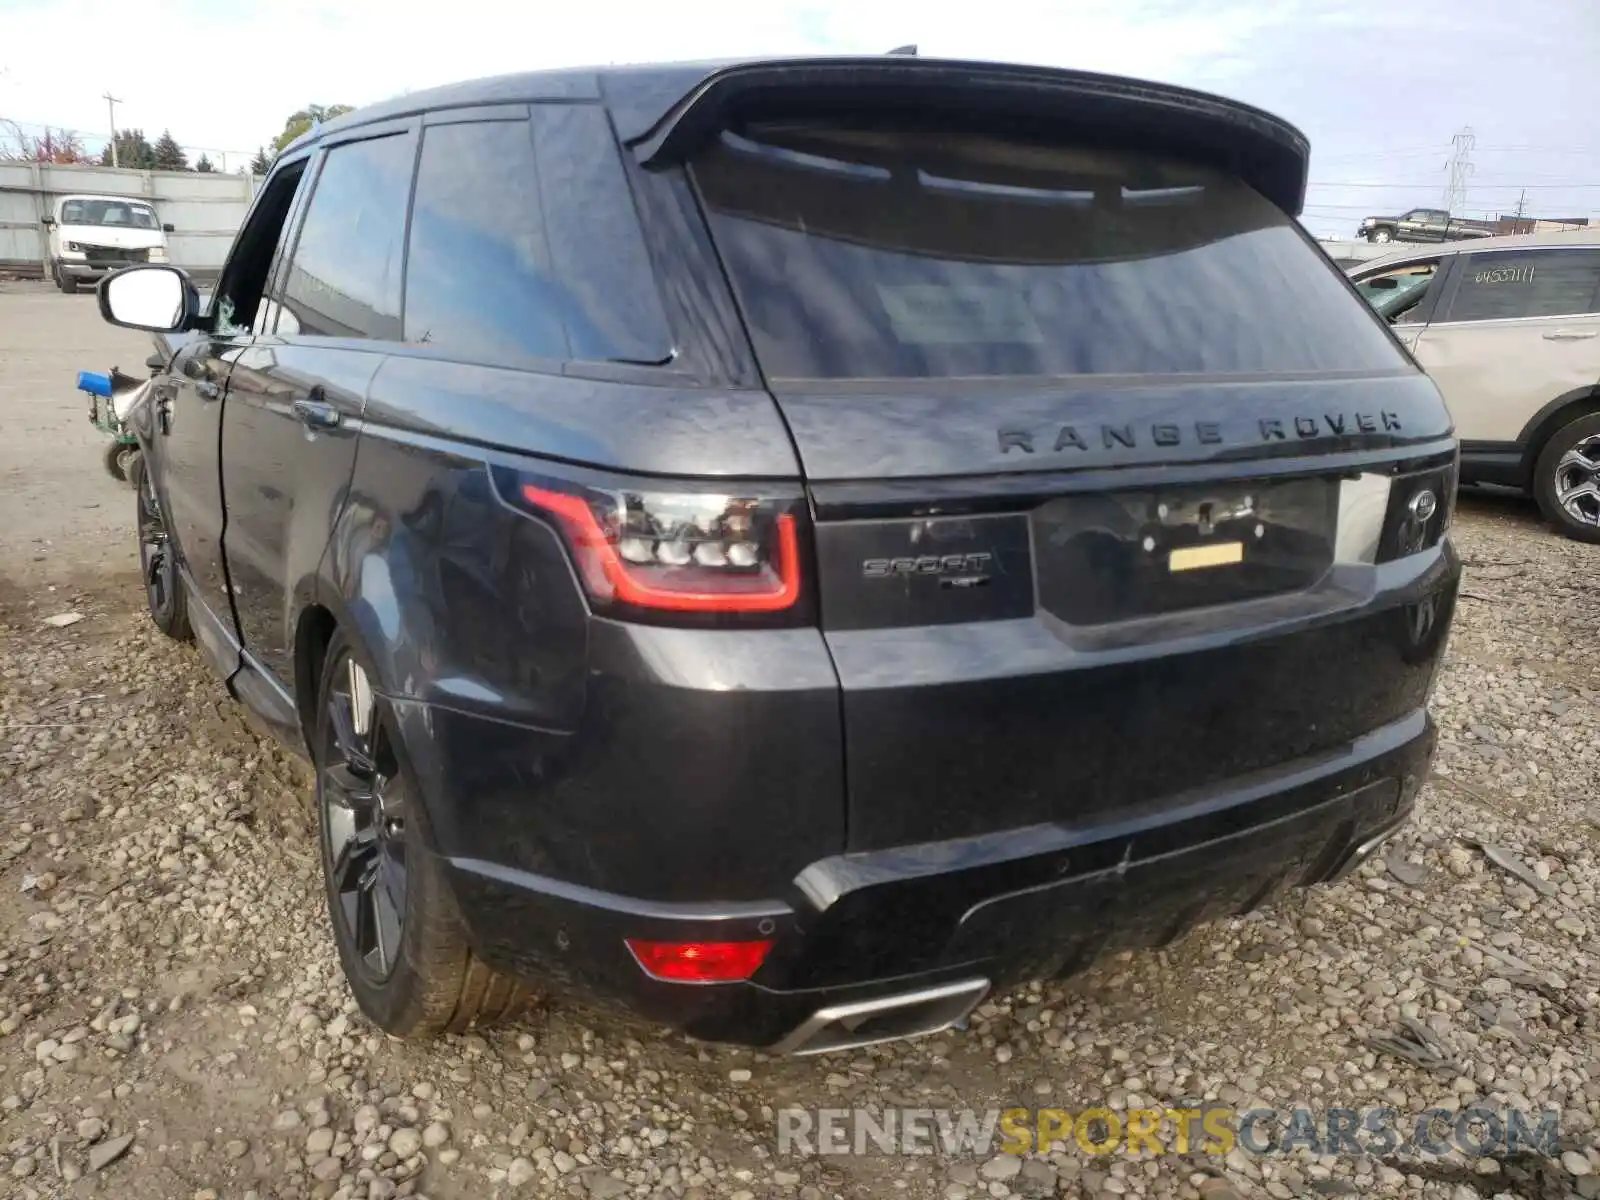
(115, 464)
(1560, 468)
(122, 461)
(158, 563)
(399, 934)
(1380, 236)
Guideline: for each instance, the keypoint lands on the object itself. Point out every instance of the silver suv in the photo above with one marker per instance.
(1509, 328)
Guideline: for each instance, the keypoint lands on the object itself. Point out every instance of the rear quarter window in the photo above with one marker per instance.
(896, 253)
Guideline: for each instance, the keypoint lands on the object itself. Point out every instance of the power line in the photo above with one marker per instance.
(94, 140)
(1334, 183)
(1429, 151)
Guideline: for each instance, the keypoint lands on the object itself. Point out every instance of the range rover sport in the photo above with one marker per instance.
(790, 547)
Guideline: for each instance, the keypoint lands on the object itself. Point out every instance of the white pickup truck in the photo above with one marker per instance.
(91, 236)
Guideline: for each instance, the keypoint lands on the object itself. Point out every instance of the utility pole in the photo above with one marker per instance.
(111, 109)
(1460, 168)
(1522, 203)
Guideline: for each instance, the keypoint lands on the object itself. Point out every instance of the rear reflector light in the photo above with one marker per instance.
(699, 962)
(685, 552)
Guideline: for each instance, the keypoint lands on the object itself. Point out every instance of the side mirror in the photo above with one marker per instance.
(153, 298)
(168, 229)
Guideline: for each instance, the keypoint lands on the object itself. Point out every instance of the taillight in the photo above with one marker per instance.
(667, 551)
(1420, 507)
(699, 962)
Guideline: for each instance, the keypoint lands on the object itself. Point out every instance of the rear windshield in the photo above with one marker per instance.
(898, 253)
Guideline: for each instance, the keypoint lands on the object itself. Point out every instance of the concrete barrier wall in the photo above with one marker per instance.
(1349, 253)
(205, 210)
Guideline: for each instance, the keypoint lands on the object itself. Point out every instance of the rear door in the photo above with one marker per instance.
(1514, 330)
(298, 389)
(1065, 415)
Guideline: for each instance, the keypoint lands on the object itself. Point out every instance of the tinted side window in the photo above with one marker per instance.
(1526, 283)
(344, 279)
(478, 274)
(524, 244)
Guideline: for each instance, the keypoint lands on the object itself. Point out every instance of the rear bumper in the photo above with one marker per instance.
(945, 922)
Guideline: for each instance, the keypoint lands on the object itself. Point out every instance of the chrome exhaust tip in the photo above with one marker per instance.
(884, 1019)
(1364, 850)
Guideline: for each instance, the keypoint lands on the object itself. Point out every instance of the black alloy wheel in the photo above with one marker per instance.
(400, 936)
(363, 798)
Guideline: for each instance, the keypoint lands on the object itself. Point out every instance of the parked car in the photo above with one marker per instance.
(788, 573)
(91, 236)
(1423, 225)
(1509, 328)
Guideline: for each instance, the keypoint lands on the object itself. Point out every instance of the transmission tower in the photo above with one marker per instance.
(1460, 169)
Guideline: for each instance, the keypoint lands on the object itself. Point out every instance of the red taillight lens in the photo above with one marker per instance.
(699, 962)
(683, 552)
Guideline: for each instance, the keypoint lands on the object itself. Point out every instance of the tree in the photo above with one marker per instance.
(301, 121)
(56, 146)
(203, 164)
(133, 150)
(261, 163)
(168, 154)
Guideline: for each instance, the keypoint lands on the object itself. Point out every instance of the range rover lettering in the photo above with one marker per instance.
(790, 547)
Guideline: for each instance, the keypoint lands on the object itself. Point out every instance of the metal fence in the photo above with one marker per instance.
(205, 210)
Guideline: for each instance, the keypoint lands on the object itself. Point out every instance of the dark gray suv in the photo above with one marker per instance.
(791, 546)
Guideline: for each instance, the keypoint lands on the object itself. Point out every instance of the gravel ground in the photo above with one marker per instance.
(173, 1023)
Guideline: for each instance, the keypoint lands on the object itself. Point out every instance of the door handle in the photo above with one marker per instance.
(316, 414)
(207, 390)
(1570, 335)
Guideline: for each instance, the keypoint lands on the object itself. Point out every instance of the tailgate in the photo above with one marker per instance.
(1101, 453)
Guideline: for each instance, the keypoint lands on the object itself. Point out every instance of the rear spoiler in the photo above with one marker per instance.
(1266, 152)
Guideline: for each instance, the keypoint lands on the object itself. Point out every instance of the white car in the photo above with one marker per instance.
(1509, 328)
(91, 236)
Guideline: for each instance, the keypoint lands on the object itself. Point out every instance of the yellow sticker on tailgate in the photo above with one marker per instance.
(1218, 554)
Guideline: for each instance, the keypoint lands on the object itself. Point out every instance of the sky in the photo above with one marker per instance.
(1380, 86)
